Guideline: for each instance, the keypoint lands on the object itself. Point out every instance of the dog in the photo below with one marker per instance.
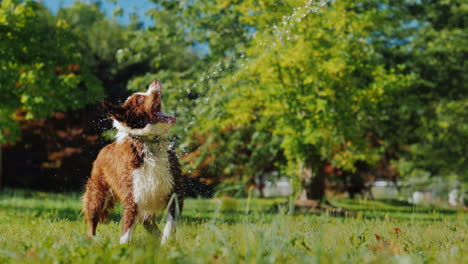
(139, 168)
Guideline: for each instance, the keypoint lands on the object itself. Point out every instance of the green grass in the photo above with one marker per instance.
(37, 227)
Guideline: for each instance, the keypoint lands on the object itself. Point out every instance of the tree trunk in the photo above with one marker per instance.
(313, 187)
(261, 185)
(305, 173)
(317, 186)
(313, 197)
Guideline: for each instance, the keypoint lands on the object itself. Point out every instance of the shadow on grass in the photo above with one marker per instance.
(382, 206)
(381, 209)
(399, 210)
(375, 210)
(229, 217)
(395, 202)
(50, 213)
(416, 210)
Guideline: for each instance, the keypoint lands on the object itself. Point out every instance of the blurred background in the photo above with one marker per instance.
(273, 98)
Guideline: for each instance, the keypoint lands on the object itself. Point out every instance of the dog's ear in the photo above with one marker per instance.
(116, 112)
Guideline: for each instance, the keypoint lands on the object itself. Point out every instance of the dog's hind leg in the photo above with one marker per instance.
(108, 206)
(149, 222)
(130, 214)
(94, 202)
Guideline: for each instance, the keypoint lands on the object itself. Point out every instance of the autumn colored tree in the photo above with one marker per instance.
(41, 67)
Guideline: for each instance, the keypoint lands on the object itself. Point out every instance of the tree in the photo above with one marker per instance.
(102, 37)
(315, 81)
(41, 67)
(423, 124)
(234, 157)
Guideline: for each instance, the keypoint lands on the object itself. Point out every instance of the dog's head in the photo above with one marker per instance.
(141, 114)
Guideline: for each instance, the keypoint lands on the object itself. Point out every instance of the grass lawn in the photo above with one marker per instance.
(37, 227)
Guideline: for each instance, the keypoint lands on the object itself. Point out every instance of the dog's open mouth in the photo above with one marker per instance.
(162, 118)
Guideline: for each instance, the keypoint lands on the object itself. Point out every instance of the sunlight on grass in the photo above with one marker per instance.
(39, 227)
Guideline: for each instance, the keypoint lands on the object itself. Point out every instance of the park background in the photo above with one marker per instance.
(330, 95)
(345, 108)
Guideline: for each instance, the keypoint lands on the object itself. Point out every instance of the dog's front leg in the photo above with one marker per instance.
(168, 229)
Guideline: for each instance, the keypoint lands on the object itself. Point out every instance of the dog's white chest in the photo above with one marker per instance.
(153, 181)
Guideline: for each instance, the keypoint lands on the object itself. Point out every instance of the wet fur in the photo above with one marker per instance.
(136, 158)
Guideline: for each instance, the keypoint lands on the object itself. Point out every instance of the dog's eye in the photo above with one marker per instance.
(140, 100)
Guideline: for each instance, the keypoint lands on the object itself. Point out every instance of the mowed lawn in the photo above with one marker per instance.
(38, 227)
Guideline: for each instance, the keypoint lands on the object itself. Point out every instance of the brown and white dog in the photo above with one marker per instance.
(140, 169)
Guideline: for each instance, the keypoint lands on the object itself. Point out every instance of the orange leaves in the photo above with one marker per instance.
(55, 158)
(32, 252)
(388, 246)
(51, 165)
(91, 138)
(397, 231)
(69, 133)
(73, 67)
(66, 152)
(59, 115)
(378, 237)
(328, 169)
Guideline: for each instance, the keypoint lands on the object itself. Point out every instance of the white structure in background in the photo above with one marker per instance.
(426, 197)
(455, 198)
(280, 188)
(452, 197)
(382, 189)
(420, 197)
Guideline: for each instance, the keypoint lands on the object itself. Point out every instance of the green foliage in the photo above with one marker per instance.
(219, 24)
(443, 142)
(102, 36)
(340, 81)
(314, 80)
(41, 67)
(424, 124)
(43, 228)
